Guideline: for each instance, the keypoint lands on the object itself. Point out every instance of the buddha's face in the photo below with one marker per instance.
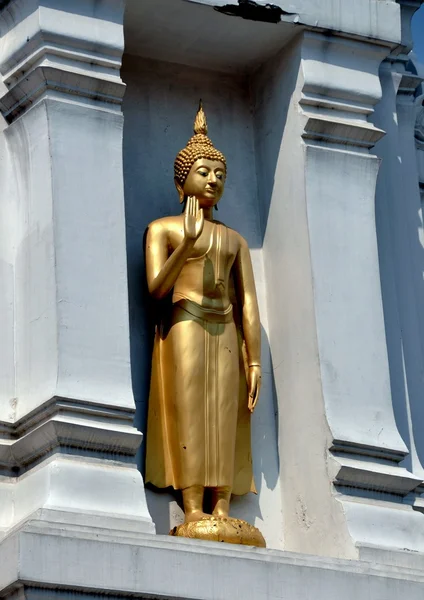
(206, 181)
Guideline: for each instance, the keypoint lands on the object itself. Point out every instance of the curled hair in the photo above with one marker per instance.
(199, 146)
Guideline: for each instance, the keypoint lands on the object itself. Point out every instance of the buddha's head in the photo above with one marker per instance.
(200, 169)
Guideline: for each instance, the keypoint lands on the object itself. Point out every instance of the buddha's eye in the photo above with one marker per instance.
(219, 176)
(203, 173)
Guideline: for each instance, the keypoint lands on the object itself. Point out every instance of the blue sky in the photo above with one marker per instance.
(418, 33)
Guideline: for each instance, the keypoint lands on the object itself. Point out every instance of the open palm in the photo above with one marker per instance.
(193, 219)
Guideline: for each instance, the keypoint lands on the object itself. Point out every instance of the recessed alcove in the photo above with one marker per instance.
(176, 53)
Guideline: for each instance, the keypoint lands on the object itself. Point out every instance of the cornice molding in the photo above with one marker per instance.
(342, 132)
(409, 83)
(80, 58)
(64, 423)
(407, 10)
(372, 468)
(339, 95)
(44, 78)
(380, 477)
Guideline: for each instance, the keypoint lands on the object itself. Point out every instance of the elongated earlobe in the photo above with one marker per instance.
(179, 190)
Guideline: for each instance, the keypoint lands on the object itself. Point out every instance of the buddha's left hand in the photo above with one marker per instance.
(254, 385)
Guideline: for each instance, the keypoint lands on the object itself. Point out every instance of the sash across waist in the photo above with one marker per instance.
(206, 314)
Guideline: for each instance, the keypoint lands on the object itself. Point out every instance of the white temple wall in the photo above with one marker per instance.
(159, 108)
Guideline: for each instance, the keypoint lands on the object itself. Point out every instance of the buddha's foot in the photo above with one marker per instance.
(194, 516)
(221, 529)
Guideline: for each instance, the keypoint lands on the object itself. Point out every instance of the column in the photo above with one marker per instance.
(68, 443)
(340, 448)
(398, 207)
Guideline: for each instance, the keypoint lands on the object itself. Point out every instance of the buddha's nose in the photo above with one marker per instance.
(212, 179)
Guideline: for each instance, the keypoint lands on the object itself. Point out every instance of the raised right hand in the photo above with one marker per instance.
(193, 219)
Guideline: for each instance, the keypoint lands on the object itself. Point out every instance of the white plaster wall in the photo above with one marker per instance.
(159, 109)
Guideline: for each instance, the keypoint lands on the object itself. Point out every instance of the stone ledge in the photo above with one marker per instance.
(87, 560)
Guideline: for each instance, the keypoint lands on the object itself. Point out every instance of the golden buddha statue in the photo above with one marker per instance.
(206, 369)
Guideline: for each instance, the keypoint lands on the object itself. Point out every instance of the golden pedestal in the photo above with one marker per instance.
(221, 529)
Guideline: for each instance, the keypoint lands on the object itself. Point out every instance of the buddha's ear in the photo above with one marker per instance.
(179, 190)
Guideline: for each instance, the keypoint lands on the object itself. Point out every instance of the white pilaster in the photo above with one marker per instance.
(340, 449)
(398, 207)
(69, 443)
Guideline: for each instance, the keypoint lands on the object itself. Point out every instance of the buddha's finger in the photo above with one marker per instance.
(254, 391)
(251, 401)
(258, 391)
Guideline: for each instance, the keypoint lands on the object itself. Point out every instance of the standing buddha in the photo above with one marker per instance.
(206, 368)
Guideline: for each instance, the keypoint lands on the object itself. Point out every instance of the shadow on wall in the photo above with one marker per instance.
(159, 108)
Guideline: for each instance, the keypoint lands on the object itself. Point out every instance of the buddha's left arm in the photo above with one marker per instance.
(246, 295)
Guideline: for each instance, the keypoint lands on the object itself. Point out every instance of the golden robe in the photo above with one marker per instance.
(198, 430)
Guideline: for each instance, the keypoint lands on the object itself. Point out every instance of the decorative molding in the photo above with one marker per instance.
(44, 78)
(409, 83)
(331, 103)
(67, 424)
(341, 131)
(372, 468)
(36, 56)
(356, 449)
(338, 97)
(376, 476)
(407, 10)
